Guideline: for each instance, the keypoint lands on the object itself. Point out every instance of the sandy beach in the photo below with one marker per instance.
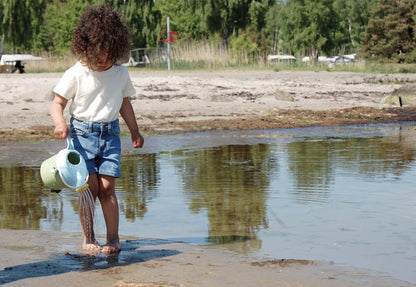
(174, 102)
(168, 102)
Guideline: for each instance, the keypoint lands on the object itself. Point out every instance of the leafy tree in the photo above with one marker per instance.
(217, 18)
(257, 15)
(61, 20)
(144, 21)
(305, 27)
(343, 36)
(308, 27)
(243, 45)
(185, 18)
(272, 26)
(390, 33)
(227, 17)
(353, 19)
(21, 21)
(41, 40)
(132, 11)
(239, 17)
(151, 26)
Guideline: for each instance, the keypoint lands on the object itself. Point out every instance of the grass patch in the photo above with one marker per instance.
(208, 55)
(50, 64)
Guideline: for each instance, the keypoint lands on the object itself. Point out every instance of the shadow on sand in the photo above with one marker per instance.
(69, 262)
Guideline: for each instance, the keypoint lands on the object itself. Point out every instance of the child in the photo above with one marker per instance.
(99, 89)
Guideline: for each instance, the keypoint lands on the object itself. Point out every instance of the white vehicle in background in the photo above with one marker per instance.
(11, 63)
(281, 58)
(344, 59)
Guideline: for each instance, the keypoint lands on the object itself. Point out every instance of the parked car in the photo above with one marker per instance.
(342, 60)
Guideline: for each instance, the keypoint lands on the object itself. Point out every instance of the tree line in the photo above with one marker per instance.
(376, 29)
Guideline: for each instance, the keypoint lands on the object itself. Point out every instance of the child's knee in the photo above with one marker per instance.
(107, 186)
(106, 193)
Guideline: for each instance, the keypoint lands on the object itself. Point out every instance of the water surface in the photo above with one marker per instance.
(341, 194)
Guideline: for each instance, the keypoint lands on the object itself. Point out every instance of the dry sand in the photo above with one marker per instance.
(165, 101)
(166, 98)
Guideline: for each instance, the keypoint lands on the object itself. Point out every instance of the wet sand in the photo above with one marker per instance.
(36, 258)
(182, 101)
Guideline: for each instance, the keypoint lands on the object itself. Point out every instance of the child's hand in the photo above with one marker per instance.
(137, 140)
(61, 131)
(57, 109)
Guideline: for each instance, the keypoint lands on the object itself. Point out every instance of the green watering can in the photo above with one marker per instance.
(65, 169)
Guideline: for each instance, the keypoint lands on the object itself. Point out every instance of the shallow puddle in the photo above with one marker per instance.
(342, 194)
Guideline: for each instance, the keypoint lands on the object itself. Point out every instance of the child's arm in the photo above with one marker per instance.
(57, 113)
(127, 112)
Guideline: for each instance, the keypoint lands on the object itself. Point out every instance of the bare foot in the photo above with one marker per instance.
(111, 248)
(92, 246)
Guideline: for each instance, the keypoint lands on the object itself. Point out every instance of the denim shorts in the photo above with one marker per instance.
(99, 144)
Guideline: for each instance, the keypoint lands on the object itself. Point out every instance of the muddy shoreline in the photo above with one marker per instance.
(277, 119)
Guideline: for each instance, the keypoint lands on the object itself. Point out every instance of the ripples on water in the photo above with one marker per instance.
(342, 194)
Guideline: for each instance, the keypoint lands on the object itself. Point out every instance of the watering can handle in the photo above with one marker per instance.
(70, 143)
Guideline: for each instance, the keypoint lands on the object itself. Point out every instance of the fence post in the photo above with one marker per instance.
(168, 30)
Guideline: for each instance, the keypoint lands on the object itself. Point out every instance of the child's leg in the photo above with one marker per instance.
(109, 204)
(86, 216)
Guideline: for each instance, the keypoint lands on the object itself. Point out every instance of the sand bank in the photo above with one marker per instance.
(181, 101)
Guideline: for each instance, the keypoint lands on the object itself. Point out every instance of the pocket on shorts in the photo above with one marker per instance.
(78, 129)
(115, 130)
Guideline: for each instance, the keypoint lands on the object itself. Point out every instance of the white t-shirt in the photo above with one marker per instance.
(96, 96)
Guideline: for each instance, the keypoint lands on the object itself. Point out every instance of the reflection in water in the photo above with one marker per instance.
(311, 169)
(24, 201)
(230, 183)
(312, 162)
(345, 194)
(136, 188)
(141, 176)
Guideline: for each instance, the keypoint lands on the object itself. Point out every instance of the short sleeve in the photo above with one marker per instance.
(128, 89)
(66, 86)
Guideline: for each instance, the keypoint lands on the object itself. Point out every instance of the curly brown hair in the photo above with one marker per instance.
(101, 30)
